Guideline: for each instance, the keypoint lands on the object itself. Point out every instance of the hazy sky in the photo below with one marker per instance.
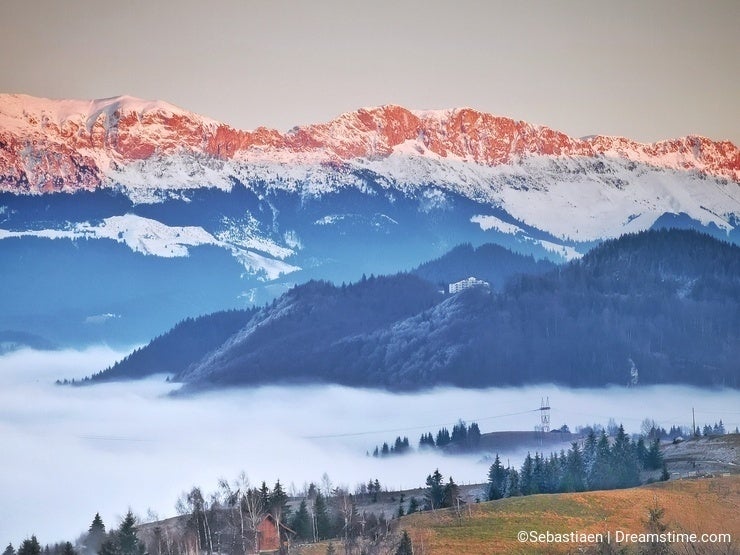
(645, 69)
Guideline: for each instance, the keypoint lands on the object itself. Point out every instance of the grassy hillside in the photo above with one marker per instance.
(708, 505)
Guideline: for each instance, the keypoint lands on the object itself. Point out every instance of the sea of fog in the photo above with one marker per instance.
(69, 452)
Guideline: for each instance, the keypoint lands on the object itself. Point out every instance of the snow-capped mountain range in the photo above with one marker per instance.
(376, 190)
(581, 189)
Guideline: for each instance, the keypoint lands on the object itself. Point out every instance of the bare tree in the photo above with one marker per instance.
(249, 506)
(193, 503)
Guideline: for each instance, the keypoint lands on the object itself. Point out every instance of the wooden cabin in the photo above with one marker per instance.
(270, 539)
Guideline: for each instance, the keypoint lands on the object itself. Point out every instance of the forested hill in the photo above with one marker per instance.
(489, 262)
(664, 302)
(685, 263)
(183, 345)
(289, 340)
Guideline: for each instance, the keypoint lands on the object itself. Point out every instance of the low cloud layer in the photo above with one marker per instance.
(71, 452)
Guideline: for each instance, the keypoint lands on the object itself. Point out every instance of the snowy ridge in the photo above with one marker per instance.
(150, 237)
(574, 189)
(116, 131)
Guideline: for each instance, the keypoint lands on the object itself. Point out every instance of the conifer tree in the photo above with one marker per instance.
(459, 433)
(511, 486)
(654, 459)
(496, 478)
(321, 514)
(624, 462)
(474, 436)
(435, 490)
(451, 493)
(278, 503)
(124, 541)
(443, 437)
(413, 506)
(265, 495)
(30, 546)
(95, 536)
(405, 547)
(526, 477)
(10, 550)
(301, 522)
(574, 478)
(589, 451)
(664, 475)
(600, 475)
(400, 512)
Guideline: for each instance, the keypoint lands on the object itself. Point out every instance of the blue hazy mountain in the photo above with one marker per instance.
(664, 302)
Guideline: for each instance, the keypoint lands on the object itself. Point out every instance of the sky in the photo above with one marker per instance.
(70, 452)
(646, 70)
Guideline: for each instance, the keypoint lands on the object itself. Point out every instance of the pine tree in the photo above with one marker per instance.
(654, 458)
(278, 503)
(624, 462)
(301, 523)
(10, 550)
(405, 547)
(496, 478)
(413, 506)
(574, 478)
(443, 437)
(601, 475)
(526, 477)
(511, 486)
(265, 495)
(474, 436)
(459, 433)
(451, 494)
(30, 547)
(321, 514)
(95, 536)
(641, 451)
(538, 475)
(127, 538)
(655, 526)
(589, 451)
(68, 549)
(435, 490)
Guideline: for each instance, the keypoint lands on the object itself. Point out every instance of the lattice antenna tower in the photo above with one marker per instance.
(545, 414)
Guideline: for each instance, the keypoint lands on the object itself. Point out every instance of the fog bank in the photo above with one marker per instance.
(73, 451)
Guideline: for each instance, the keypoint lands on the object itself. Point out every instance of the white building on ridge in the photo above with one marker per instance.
(467, 284)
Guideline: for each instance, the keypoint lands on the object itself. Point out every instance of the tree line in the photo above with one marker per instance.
(464, 438)
(601, 464)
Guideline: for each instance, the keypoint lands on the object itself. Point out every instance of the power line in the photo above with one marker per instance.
(426, 427)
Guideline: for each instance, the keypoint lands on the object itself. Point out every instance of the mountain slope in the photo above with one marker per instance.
(595, 187)
(672, 311)
(289, 340)
(185, 344)
(664, 303)
(158, 190)
(492, 263)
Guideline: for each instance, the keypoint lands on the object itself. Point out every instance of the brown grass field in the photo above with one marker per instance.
(705, 505)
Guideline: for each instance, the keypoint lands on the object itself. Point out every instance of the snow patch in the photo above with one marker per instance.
(151, 237)
(492, 222)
